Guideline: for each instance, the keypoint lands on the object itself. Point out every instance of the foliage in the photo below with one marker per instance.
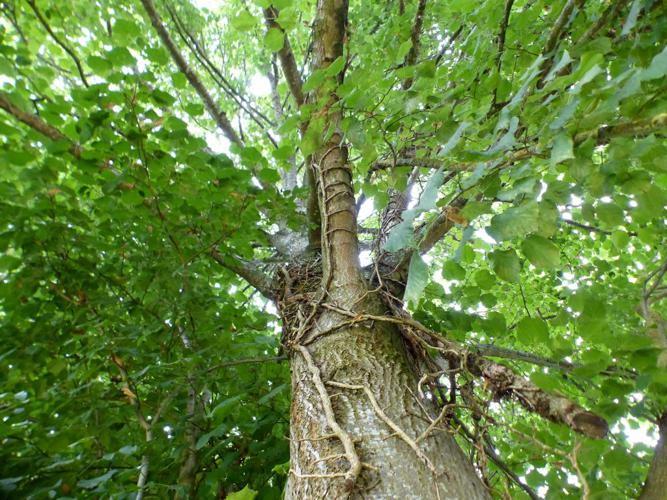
(110, 302)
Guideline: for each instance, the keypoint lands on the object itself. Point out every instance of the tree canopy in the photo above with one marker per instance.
(155, 162)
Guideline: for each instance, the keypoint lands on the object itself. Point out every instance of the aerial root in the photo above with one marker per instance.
(390, 423)
(348, 444)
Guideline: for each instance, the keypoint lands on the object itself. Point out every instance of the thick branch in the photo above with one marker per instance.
(499, 379)
(286, 57)
(36, 123)
(249, 272)
(503, 382)
(219, 116)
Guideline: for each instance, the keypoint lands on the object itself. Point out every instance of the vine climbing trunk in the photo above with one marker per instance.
(363, 374)
(357, 426)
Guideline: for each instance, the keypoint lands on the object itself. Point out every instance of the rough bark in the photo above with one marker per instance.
(401, 463)
(655, 487)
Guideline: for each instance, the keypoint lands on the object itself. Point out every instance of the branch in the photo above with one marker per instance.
(494, 351)
(447, 45)
(62, 44)
(246, 270)
(414, 162)
(500, 380)
(554, 37)
(132, 395)
(586, 226)
(286, 57)
(607, 16)
(497, 460)
(503, 382)
(656, 480)
(637, 128)
(219, 116)
(215, 73)
(246, 361)
(447, 219)
(415, 33)
(501, 44)
(36, 123)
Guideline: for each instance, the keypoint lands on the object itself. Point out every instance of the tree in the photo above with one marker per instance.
(401, 249)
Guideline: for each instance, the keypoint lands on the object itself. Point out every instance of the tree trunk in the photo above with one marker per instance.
(395, 462)
(655, 487)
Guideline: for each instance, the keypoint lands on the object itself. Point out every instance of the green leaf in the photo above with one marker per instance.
(453, 271)
(541, 252)
(658, 67)
(203, 440)
(429, 195)
(272, 394)
(562, 149)
(245, 494)
(123, 28)
(631, 20)
(89, 484)
(274, 39)
(506, 265)
(484, 279)
(288, 18)
(403, 50)
(532, 331)
(99, 65)
(418, 277)
(514, 222)
(620, 239)
(180, 80)
(454, 139)
(610, 214)
(120, 56)
(244, 21)
(401, 235)
(336, 67)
